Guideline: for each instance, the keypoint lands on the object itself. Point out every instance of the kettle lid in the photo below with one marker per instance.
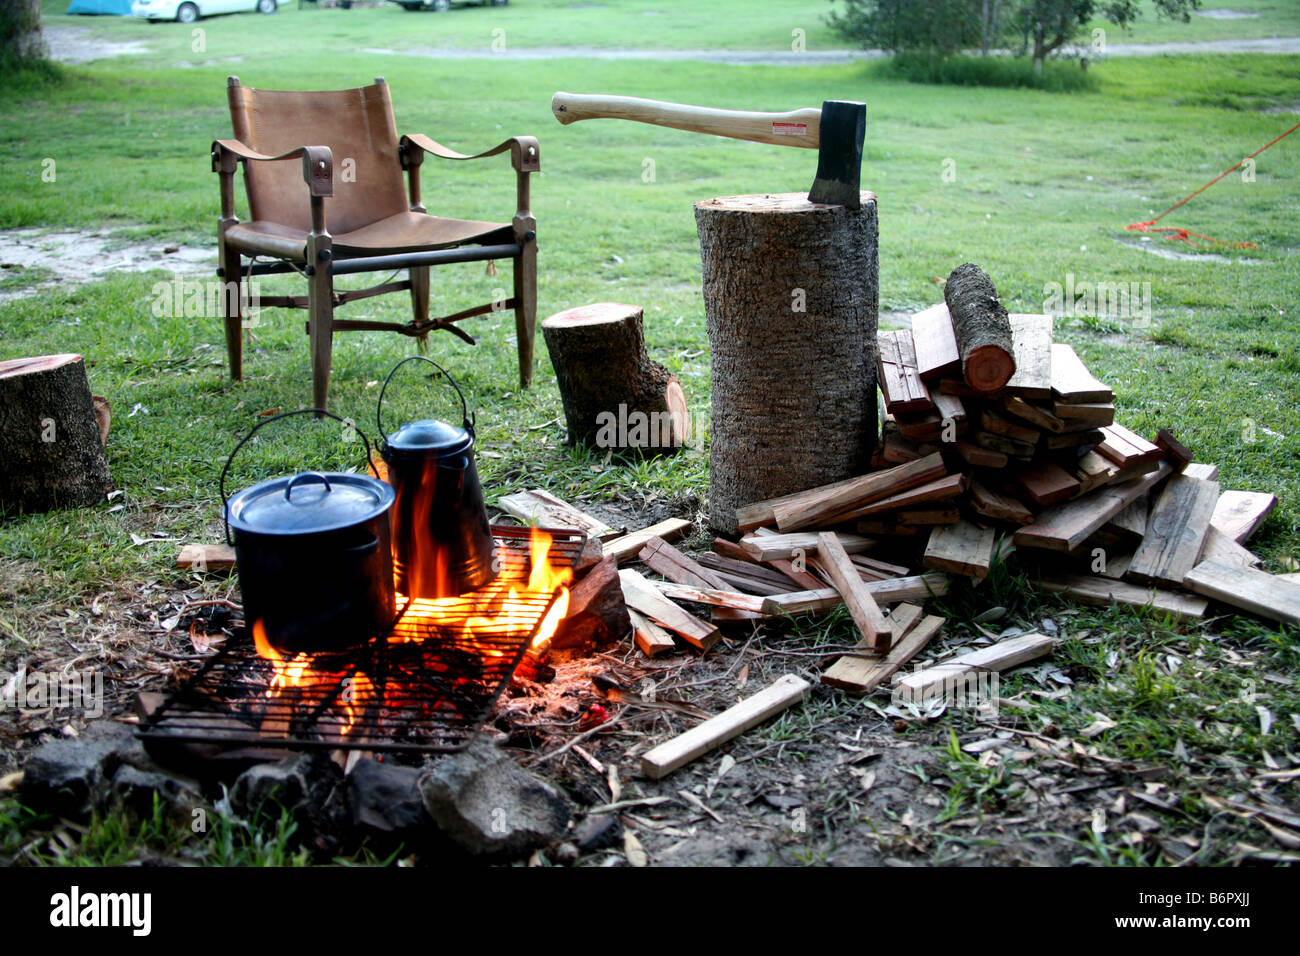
(430, 436)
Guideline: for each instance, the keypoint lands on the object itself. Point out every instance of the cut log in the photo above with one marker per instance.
(614, 395)
(1267, 595)
(862, 675)
(961, 548)
(645, 597)
(630, 545)
(921, 686)
(875, 630)
(830, 504)
(982, 328)
(651, 639)
(1238, 514)
(1065, 526)
(717, 730)
(1176, 529)
(1102, 591)
(1031, 338)
(541, 508)
(935, 343)
(790, 296)
(917, 587)
(899, 382)
(1072, 383)
(597, 612)
(49, 437)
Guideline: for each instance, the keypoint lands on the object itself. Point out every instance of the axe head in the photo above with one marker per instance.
(839, 154)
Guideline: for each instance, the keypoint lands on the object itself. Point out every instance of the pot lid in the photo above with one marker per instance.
(429, 435)
(308, 503)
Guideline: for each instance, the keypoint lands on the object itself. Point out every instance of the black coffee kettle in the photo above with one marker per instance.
(442, 544)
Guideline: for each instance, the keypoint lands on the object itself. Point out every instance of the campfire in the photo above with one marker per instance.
(426, 684)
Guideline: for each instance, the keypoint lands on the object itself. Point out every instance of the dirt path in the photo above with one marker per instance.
(79, 45)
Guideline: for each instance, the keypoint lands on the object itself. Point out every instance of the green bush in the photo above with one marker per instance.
(1057, 77)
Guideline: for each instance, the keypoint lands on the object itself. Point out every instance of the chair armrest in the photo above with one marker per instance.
(317, 162)
(525, 156)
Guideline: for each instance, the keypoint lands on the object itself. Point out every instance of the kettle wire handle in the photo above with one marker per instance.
(379, 406)
(221, 482)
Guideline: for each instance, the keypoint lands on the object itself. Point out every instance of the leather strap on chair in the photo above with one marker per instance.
(525, 155)
(317, 162)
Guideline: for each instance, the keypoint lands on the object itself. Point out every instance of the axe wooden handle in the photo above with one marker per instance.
(796, 128)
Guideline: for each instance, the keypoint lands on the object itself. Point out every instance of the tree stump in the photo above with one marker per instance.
(50, 442)
(791, 297)
(614, 395)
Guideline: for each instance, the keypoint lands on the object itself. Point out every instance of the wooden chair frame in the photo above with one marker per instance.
(315, 255)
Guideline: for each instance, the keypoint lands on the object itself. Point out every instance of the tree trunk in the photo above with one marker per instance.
(614, 396)
(791, 297)
(50, 443)
(20, 31)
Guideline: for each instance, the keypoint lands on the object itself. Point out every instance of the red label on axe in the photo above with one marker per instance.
(789, 129)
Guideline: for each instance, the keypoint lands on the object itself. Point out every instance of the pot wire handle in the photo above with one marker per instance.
(464, 406)
(221, 482)
(315, 475)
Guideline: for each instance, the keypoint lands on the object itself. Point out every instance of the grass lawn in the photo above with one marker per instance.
(1044, 186)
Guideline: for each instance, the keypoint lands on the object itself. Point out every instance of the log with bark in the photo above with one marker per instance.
(49, 436)
(614, 394)
(982, 328)
(791, 297)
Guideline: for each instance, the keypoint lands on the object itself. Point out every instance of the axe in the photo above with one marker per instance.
(835, 131)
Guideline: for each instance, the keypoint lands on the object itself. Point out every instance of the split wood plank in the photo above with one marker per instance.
(1092, 413)
(1005, 654)
(1199, 470)
(884, 568)
(714, 597)
(950, 409)
(861, 675)
(700, 739)
(1072, 383)
(917, 587)
(1238, 514)
(759, 513)
(927, 517)
(979, 456)
(1258, 592)
(1033, 414)
(749, 570)
(1031, 338)
(630, 545)
(660, 556)
(943, 489)
(729, 549)
(866, 614)
(1176, 530)
(990, 421)
(1095, 471)
(539, 507)
(206, 557)
(1130, 525)
(899, 381)
(1000, 507)
(645, 597)
(935, 343)
(651, 639)
(1047, 483)
(1128, 449)
(828, 504)
(1102, 591)
(1007, 446)
(798, 574)
(769, 547)
(1219, 547)
(922, 427)
(1065, 526)
(961, 548)
(1073, 439)
(1177, 454)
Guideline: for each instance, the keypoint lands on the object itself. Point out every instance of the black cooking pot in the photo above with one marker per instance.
(314, 555)
(442, 541)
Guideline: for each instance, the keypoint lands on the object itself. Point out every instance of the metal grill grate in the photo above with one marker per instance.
(425, 686)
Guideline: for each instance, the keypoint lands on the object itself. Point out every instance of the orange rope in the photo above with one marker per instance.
(1183, 235)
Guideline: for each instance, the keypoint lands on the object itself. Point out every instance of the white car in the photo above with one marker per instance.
(187, 11)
